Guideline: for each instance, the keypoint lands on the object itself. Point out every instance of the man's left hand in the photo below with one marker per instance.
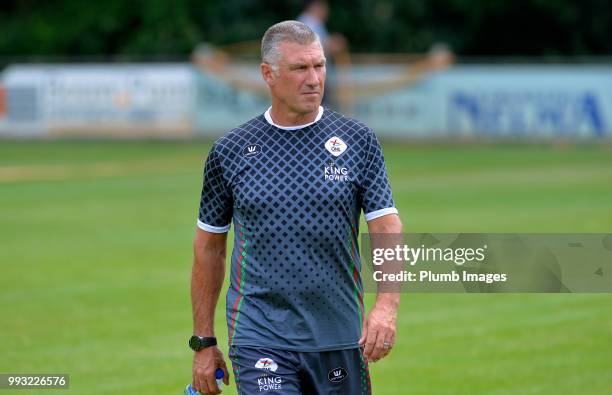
(378, 336)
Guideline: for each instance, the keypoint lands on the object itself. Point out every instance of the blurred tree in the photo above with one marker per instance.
(151, 27)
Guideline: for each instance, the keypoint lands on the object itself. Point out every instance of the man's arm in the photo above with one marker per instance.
(208, 272)
(379, 327)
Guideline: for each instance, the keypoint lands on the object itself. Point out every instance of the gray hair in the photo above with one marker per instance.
(289, 31)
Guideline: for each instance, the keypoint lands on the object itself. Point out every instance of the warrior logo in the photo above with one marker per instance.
(337, 375)
(251, 150)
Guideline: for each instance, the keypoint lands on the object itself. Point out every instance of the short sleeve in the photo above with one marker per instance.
(216, 201)
(376, 196)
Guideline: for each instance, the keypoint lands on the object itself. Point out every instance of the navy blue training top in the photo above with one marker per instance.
(295, 196)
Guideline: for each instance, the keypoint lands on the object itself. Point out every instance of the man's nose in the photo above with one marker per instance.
(312, 79)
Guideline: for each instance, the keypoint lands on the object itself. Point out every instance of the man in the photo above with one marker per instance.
(293, 181)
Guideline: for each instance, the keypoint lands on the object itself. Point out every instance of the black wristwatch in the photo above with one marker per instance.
(196, 343)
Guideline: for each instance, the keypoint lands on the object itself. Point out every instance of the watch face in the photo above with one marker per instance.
(194, 343)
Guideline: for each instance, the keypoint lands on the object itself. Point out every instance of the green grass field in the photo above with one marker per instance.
(95, 255)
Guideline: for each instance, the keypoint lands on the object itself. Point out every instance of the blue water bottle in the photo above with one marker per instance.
(218, 375)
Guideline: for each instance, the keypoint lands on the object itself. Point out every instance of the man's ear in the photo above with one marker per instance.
(268, 74)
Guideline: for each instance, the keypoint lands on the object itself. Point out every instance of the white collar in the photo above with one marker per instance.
(296, 127)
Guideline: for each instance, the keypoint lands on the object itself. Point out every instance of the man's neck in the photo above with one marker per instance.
(289, 118)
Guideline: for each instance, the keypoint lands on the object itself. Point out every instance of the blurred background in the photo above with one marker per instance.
(410, 69)
(494, 116)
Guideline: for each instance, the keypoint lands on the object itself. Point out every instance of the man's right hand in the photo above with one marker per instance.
(205, 363)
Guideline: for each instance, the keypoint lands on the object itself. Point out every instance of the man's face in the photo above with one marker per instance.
(300, 80)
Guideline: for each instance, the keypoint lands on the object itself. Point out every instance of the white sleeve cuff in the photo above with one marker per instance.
(213, 229)
(380, 213)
